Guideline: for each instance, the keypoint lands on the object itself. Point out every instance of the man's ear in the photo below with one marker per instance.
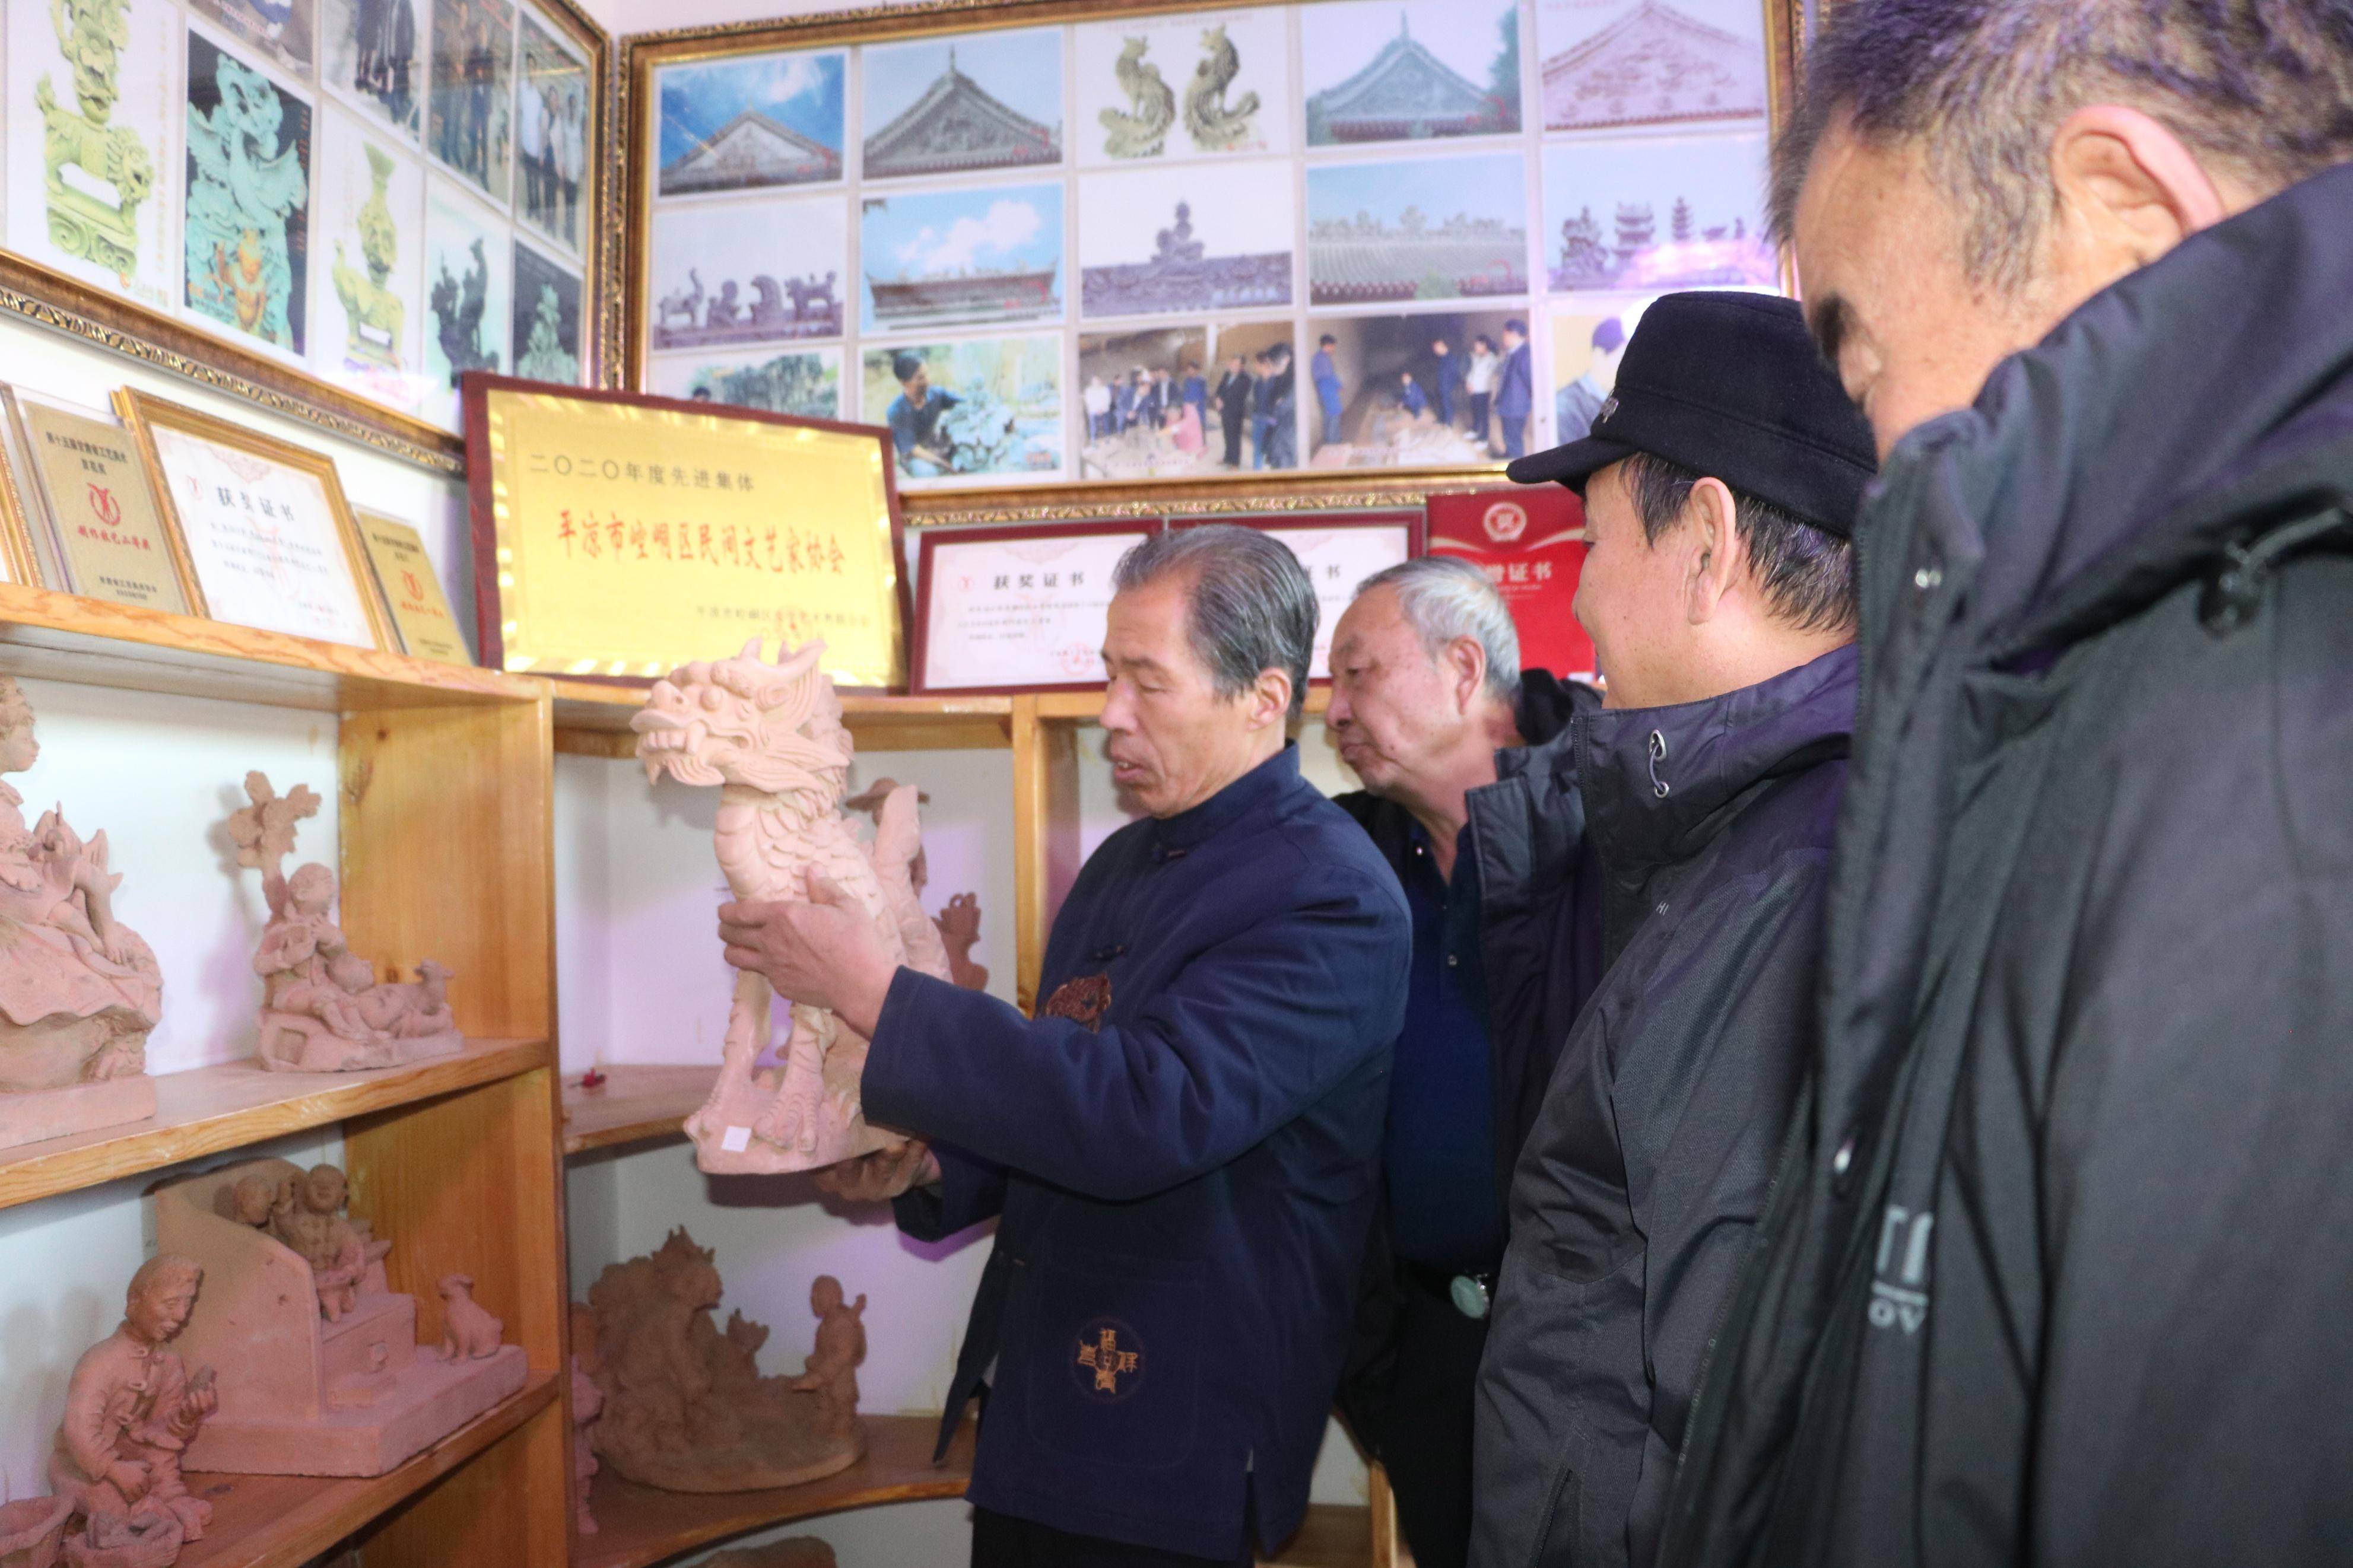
(1711, 524)
(1464, 664)
(1269, 699)
(2128, 189)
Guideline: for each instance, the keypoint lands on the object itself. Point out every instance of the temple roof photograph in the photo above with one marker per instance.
(1655, 61)
(1452, 75)
(932, 108)
(741, 125)
(1430, 228)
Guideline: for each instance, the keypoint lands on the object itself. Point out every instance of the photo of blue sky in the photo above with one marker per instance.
(802, 91)
(1010, 232)
(1022, 69)
(1492, 187)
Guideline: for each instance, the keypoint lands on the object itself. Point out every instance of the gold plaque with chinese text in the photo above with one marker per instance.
(420, 611)
(621, 535)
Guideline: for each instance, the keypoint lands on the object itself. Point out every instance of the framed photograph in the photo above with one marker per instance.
(1376, 70)
(468, 284)
(553, 113)
(413, 600)
(84, 517)
(1002, 610)
(969, 408)
(1586, 348)
(546, 341)
(264, 536)
(280, 31)
(1530, 541)
(369, 218)
(940, 259)
(1036, 201)
(368, 54)
(1650, 214)
(1638, 62)
(246, 221)
(634, 534)
(749, 123)
(1339, 551)
(946, 106)
(469, 118)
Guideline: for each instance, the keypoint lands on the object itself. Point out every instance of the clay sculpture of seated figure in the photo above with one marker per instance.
(312, 1225)
(132, 1408)
(322, 1008)
(78, 990)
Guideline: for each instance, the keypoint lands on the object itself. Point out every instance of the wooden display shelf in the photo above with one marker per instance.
(592, 720)
(1333, 1535)
(94, 642)
(280, 1521)
(633, 1105)
(205, 1111)
(639, 1526)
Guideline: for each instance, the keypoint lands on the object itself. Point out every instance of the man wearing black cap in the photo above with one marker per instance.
(1653, 886)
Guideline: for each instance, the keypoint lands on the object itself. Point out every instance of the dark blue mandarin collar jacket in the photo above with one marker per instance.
(1183, 1149)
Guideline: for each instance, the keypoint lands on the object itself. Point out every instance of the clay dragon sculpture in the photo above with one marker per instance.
(1216, 125)
(771, 736)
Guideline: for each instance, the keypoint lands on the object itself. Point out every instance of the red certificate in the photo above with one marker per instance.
(1531, 541)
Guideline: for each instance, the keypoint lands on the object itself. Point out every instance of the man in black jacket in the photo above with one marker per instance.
(1426, 687)
(1720, 484)
(2058, 1273)
(1233, 397)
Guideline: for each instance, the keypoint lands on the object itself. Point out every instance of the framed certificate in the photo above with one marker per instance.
(82, 518)
(1339, 551)
(1017, 609)
(1531, 541)
(264, 535)
(621, 535)
(413, 599)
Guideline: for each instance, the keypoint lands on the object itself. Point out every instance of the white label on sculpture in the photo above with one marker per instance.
(738, 1139)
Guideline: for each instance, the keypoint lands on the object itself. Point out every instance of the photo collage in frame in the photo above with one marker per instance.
(307, 179)
(1336, 234)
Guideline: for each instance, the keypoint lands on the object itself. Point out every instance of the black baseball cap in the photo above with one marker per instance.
(1731, 386)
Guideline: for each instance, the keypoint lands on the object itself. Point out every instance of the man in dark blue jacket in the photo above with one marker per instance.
(1182, 1147)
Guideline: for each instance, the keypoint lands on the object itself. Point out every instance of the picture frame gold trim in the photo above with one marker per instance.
(50, 299)
(16, 519)
(627, 226)
(142, 413)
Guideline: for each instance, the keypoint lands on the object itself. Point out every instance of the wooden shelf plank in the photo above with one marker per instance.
(1086, 707)
(205, 1111)
(61, 637)
(639, 1526)
(633, 1105)
(1333, 1535)
(595, 705)
(279, 1521)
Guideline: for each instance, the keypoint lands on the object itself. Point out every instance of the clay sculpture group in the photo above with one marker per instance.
(684, 1406)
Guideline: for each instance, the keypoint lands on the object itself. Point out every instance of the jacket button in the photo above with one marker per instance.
(1927, 578)
(1844, 1157)
(1453, 959)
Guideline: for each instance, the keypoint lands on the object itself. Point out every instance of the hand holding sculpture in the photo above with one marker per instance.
(132, 1406)
(823, 952)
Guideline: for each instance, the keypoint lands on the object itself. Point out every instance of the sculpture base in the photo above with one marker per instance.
(412, 1409)
(31, 1116)
(287, 1050)
(780, 1447)
(726, 1145)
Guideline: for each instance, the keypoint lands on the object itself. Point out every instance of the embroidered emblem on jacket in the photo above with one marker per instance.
(1082, 1001)
(1899, 1295)
(1101, 1352)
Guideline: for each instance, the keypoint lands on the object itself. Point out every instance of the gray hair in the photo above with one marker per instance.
(2260, 85)
(1806, 575)
(1445, 597)
(1250, 608)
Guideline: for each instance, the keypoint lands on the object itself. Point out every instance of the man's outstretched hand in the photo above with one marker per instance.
(825, 953)
(881, 1175)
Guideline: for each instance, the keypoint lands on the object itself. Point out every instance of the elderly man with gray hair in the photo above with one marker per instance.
(1181, 1148)
(1426, 687)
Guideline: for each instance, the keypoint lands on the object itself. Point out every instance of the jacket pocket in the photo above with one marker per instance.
(1111, 1369)
(1558, 1535)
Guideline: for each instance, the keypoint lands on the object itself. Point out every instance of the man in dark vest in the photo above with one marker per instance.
(1182, 1148)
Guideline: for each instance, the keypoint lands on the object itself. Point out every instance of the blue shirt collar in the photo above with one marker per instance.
(1246, 796)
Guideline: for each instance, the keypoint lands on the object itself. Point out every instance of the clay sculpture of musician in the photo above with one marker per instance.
(309, 1219)
(771, 737)
(79, 989)
(132, 1409)
(322, 1008)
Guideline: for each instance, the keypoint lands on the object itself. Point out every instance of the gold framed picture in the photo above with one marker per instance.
(260, 527)
(85, 517)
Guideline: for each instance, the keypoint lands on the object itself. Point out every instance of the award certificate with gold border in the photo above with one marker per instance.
(621, 535)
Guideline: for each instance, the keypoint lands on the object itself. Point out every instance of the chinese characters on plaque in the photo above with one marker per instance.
(1017, 609)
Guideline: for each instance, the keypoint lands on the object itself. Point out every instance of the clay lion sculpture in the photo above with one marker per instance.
(468, 1330)
(771, 737)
